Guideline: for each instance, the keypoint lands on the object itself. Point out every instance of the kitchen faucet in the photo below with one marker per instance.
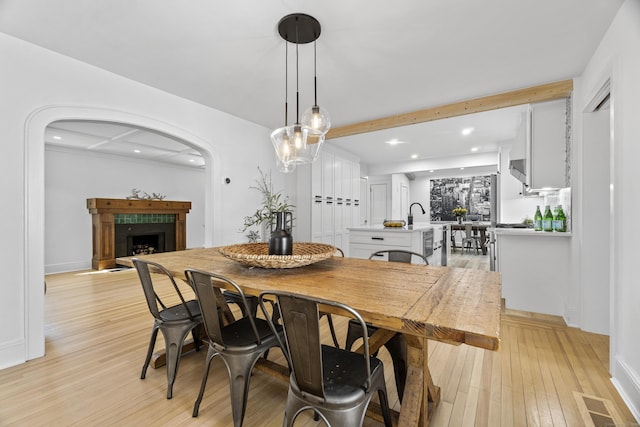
(410, 219)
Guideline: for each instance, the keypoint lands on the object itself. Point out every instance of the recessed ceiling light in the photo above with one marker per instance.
(474, 149)
(57, 137)
(414, 156)
(461, 169)
(191, 160)
(136, 151)
(394, 141)
(467, 131)
(431, 171)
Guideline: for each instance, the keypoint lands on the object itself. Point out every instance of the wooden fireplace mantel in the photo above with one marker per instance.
(103, 229)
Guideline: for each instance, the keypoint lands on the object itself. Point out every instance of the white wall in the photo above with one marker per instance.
(39, 87)
(616, 58)
(73, 176)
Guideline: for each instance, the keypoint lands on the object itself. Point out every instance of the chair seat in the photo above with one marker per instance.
(240, 333)
(178, 312)
(345, 374)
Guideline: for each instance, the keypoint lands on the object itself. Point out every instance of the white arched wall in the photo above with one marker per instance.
(35, 193)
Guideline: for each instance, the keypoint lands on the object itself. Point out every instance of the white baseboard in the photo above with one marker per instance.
(627, 382)
(68, 266)
(571, 316)
(12, 353)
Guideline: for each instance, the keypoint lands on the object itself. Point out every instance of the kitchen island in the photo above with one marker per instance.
(423, 238)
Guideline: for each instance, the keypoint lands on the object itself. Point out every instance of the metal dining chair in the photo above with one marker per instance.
(239, 344)
(470, 238)
(174, 321)
(337, 384)
(399, 255)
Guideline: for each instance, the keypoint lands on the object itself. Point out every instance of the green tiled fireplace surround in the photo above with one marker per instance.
(144, 218)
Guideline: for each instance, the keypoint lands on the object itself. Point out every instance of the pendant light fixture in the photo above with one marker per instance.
(300, 143)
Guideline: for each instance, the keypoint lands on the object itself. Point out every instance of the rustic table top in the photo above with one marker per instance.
(447, 304)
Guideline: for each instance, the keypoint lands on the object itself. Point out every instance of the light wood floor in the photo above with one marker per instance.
(97, 328)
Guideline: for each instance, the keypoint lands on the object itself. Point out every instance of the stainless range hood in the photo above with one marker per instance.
(517, 167)
(521, 149)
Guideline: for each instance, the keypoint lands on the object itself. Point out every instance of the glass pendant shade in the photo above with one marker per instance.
(317, 118)
(296, 145)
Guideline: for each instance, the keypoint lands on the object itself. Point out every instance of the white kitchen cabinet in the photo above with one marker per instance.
(364, 241)
(535, 269)
(538, 156)
(548, 158)
(327, 174)
(325, 207)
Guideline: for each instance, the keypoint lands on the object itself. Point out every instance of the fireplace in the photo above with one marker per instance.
(123, 227)
(139, 239)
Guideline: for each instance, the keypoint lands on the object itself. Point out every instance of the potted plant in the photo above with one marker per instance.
(272, 202)
(459, 213)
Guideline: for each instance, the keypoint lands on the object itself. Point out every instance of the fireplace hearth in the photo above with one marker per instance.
(139, 239)
(123, 227)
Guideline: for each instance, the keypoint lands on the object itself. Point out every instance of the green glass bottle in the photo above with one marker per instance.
(561, 221)
(547, 219)
(537, 219)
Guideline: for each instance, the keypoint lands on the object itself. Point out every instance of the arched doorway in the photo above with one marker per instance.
(91, 159)
(34, 239)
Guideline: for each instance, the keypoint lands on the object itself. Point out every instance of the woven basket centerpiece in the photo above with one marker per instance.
(257, 254)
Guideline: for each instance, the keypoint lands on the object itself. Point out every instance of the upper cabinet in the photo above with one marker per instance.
(538, 157)
(548, 161)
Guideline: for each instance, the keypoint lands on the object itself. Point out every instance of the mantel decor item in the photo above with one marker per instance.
(143, 195)
(257, 255)
(300, 143)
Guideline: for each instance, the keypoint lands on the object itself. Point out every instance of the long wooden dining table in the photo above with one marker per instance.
(452, 305)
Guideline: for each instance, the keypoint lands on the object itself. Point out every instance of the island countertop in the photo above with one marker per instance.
(405, 229)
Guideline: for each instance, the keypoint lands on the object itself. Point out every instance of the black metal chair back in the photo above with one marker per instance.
(174, 321)
(239, 343)
(399, 255)
(337, 384)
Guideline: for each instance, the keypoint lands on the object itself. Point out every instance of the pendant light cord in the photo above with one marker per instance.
(286, 82)
(297, 88)
(315, 78)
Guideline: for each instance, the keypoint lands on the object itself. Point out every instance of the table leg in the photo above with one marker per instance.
(420, 395)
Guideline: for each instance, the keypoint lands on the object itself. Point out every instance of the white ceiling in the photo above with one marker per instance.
(375, 58)
(121, 140)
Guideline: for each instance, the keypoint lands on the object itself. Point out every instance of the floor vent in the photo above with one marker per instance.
(597, 412)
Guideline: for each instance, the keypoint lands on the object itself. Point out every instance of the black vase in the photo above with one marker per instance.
(281, 242)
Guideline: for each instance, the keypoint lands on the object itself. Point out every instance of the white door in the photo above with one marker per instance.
(362, 202)
(404, 201)
(379, 202)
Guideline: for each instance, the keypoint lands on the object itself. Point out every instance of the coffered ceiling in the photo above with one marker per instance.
(375, 58)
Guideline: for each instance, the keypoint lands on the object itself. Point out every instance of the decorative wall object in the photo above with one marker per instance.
(472, 193)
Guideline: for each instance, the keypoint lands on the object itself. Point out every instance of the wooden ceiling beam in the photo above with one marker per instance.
(546, 92)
